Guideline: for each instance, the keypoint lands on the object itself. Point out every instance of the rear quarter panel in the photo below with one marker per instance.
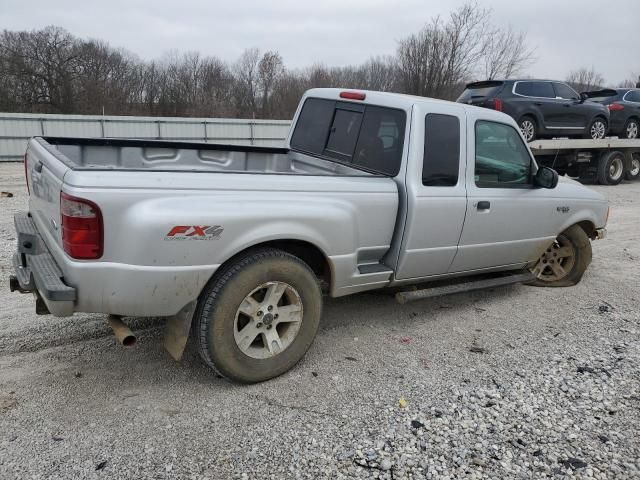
(146, 271)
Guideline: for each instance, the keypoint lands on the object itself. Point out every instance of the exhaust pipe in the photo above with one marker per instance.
(124, 336)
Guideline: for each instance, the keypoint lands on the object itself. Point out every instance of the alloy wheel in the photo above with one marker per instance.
(268, 320)
(598, 130)
(528, 129)
(632, 130)
(556, 262)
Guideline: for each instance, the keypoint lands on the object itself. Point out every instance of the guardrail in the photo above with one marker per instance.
(17, 128)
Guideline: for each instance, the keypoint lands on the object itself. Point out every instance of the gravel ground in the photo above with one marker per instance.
(515, 382)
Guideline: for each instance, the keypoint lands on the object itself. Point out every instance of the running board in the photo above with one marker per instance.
(413, 295)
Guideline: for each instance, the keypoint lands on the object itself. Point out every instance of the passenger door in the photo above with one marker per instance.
(575, 113)
(436, 193)
(538, 97)
(506, 224)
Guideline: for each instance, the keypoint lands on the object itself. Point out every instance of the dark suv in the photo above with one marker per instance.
(542, 108)
(624, 109)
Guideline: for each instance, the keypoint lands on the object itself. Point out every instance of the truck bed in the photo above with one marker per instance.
(124, 154)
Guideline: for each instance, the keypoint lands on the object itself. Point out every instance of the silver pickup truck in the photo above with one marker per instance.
(237, 244)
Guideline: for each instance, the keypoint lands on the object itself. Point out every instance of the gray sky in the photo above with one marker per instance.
(567, 33)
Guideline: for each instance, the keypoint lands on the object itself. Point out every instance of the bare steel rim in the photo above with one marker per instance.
(528, 129)
(616, 168)
(268, 320)
(634, 169)
(557, 261)
(598, 130)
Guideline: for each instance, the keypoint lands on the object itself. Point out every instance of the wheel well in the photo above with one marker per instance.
(601, 117)
(305, 251)
(589, 228)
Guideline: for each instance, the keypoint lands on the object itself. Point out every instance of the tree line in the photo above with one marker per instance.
(52, 71)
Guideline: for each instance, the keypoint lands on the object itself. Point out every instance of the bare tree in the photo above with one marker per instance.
(246, 76)
(506, 54)
(585, 79)
(270, 69)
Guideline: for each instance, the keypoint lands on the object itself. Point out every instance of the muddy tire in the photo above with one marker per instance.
(564, 262)
(258, 316)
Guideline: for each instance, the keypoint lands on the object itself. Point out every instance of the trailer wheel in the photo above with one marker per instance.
(633, 173)
(258, 317)
(564, 262)
(597, 129)
(611, 168)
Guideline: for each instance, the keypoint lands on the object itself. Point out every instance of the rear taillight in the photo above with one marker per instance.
(26, 175)
(496, 104)
(82, 235)
(615, 107)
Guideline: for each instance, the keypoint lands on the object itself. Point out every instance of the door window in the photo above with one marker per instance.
(535, 89)
(566, 92)
(441, 160)
(502, 159)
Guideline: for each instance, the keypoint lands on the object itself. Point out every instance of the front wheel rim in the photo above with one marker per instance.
(598, 130)
(632, 130)
(268, 320)
(528, 129)
(556, 262)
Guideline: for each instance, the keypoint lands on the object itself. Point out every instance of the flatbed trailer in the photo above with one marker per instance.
(607, 161)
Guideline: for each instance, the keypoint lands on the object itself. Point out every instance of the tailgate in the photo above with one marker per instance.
(45, 170)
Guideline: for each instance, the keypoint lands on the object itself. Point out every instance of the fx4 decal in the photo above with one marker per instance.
(194, 232)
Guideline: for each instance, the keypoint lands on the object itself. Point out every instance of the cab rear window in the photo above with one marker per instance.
(368, 137)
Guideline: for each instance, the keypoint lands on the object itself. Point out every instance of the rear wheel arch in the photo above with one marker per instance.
(306, 251)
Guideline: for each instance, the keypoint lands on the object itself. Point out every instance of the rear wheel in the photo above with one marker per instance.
(259, 316)
(633, 173)
(631, 128)
(528, 128)
(597, 129)
(611, 168)
(564, 262)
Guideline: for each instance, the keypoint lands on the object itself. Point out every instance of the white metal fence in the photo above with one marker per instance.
(17, 128)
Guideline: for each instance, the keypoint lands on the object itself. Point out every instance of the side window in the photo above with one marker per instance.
(634, 96)
(502, 159)
(441, 160)
(566, 92)
(535, 89)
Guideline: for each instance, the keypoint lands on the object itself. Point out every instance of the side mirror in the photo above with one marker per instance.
(546, 178)
(583, 97)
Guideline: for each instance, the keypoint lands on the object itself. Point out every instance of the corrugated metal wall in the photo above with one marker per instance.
(17, 128)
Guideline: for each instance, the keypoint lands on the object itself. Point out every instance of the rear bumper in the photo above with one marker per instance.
(36, 270)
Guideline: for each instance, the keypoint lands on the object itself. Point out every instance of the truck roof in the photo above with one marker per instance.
(404, 101)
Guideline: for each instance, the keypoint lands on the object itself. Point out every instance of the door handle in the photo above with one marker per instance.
(483, 205)
(537, 103)
(567, 105)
